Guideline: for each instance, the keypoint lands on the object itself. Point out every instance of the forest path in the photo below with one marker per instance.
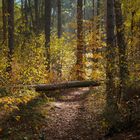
(68, 119)
(65, 117)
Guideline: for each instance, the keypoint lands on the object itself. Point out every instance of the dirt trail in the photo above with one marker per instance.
(74, 115)
(68, 119)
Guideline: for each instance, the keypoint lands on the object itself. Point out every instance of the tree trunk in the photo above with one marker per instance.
(95, 34)
(22, 10)
(26, 13)
(48, 30)
(10, 33)
(4, 11)
(96, 5)
(59, 33)
(95, 9)
(79, 63)
(36, 15)
(110, 57)
(122, 49)
(11, 26)
(84, 10)
(59, 26)
(112, 114)
(64, 85)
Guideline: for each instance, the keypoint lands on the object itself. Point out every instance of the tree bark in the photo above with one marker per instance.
(36, 3)
(4, 11)
(48, 30)
(96, 5)
(58, 86)
(95, 33)
(112, 114)
(11, 26)
(10, 33)
(26, 13)
(66, 85)
(31, 25)
(110, 57)
(59, 34)
(122, 49)
(22, 10)
(80, 49)
(59, 26)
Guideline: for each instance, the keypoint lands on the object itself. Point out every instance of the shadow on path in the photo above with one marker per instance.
(63, 119)
(69, 119)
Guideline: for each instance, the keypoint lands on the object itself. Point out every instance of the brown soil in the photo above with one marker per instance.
(69, 119)
(74, 115)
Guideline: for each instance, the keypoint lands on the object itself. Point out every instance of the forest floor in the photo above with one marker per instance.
(70, 119)
(74, 114)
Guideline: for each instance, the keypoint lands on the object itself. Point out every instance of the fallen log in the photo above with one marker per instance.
(65, 85)
(57, 86)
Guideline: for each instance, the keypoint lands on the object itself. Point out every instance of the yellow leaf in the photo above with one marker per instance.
(17, 118)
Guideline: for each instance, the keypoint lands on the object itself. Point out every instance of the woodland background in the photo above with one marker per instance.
(53, 41)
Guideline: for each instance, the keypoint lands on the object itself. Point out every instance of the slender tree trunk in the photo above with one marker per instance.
(93, 9)
(132, 26)
(98, 18)
(112, 114)
(11, 26)
(79, 63)
(36, 15)
(93, 18)
(10, 31)
(26, 13)
(95, 34)
(59, 26)
(96, 4)
(84, 10)
(22, 10)
(132, 36)
(59, 33)
(4, 11)
(84, 27)
(122, 49)
(48, 30)
(32, 24)
(111, 47)
(54, 14)
(96, 13)
(42, 9)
